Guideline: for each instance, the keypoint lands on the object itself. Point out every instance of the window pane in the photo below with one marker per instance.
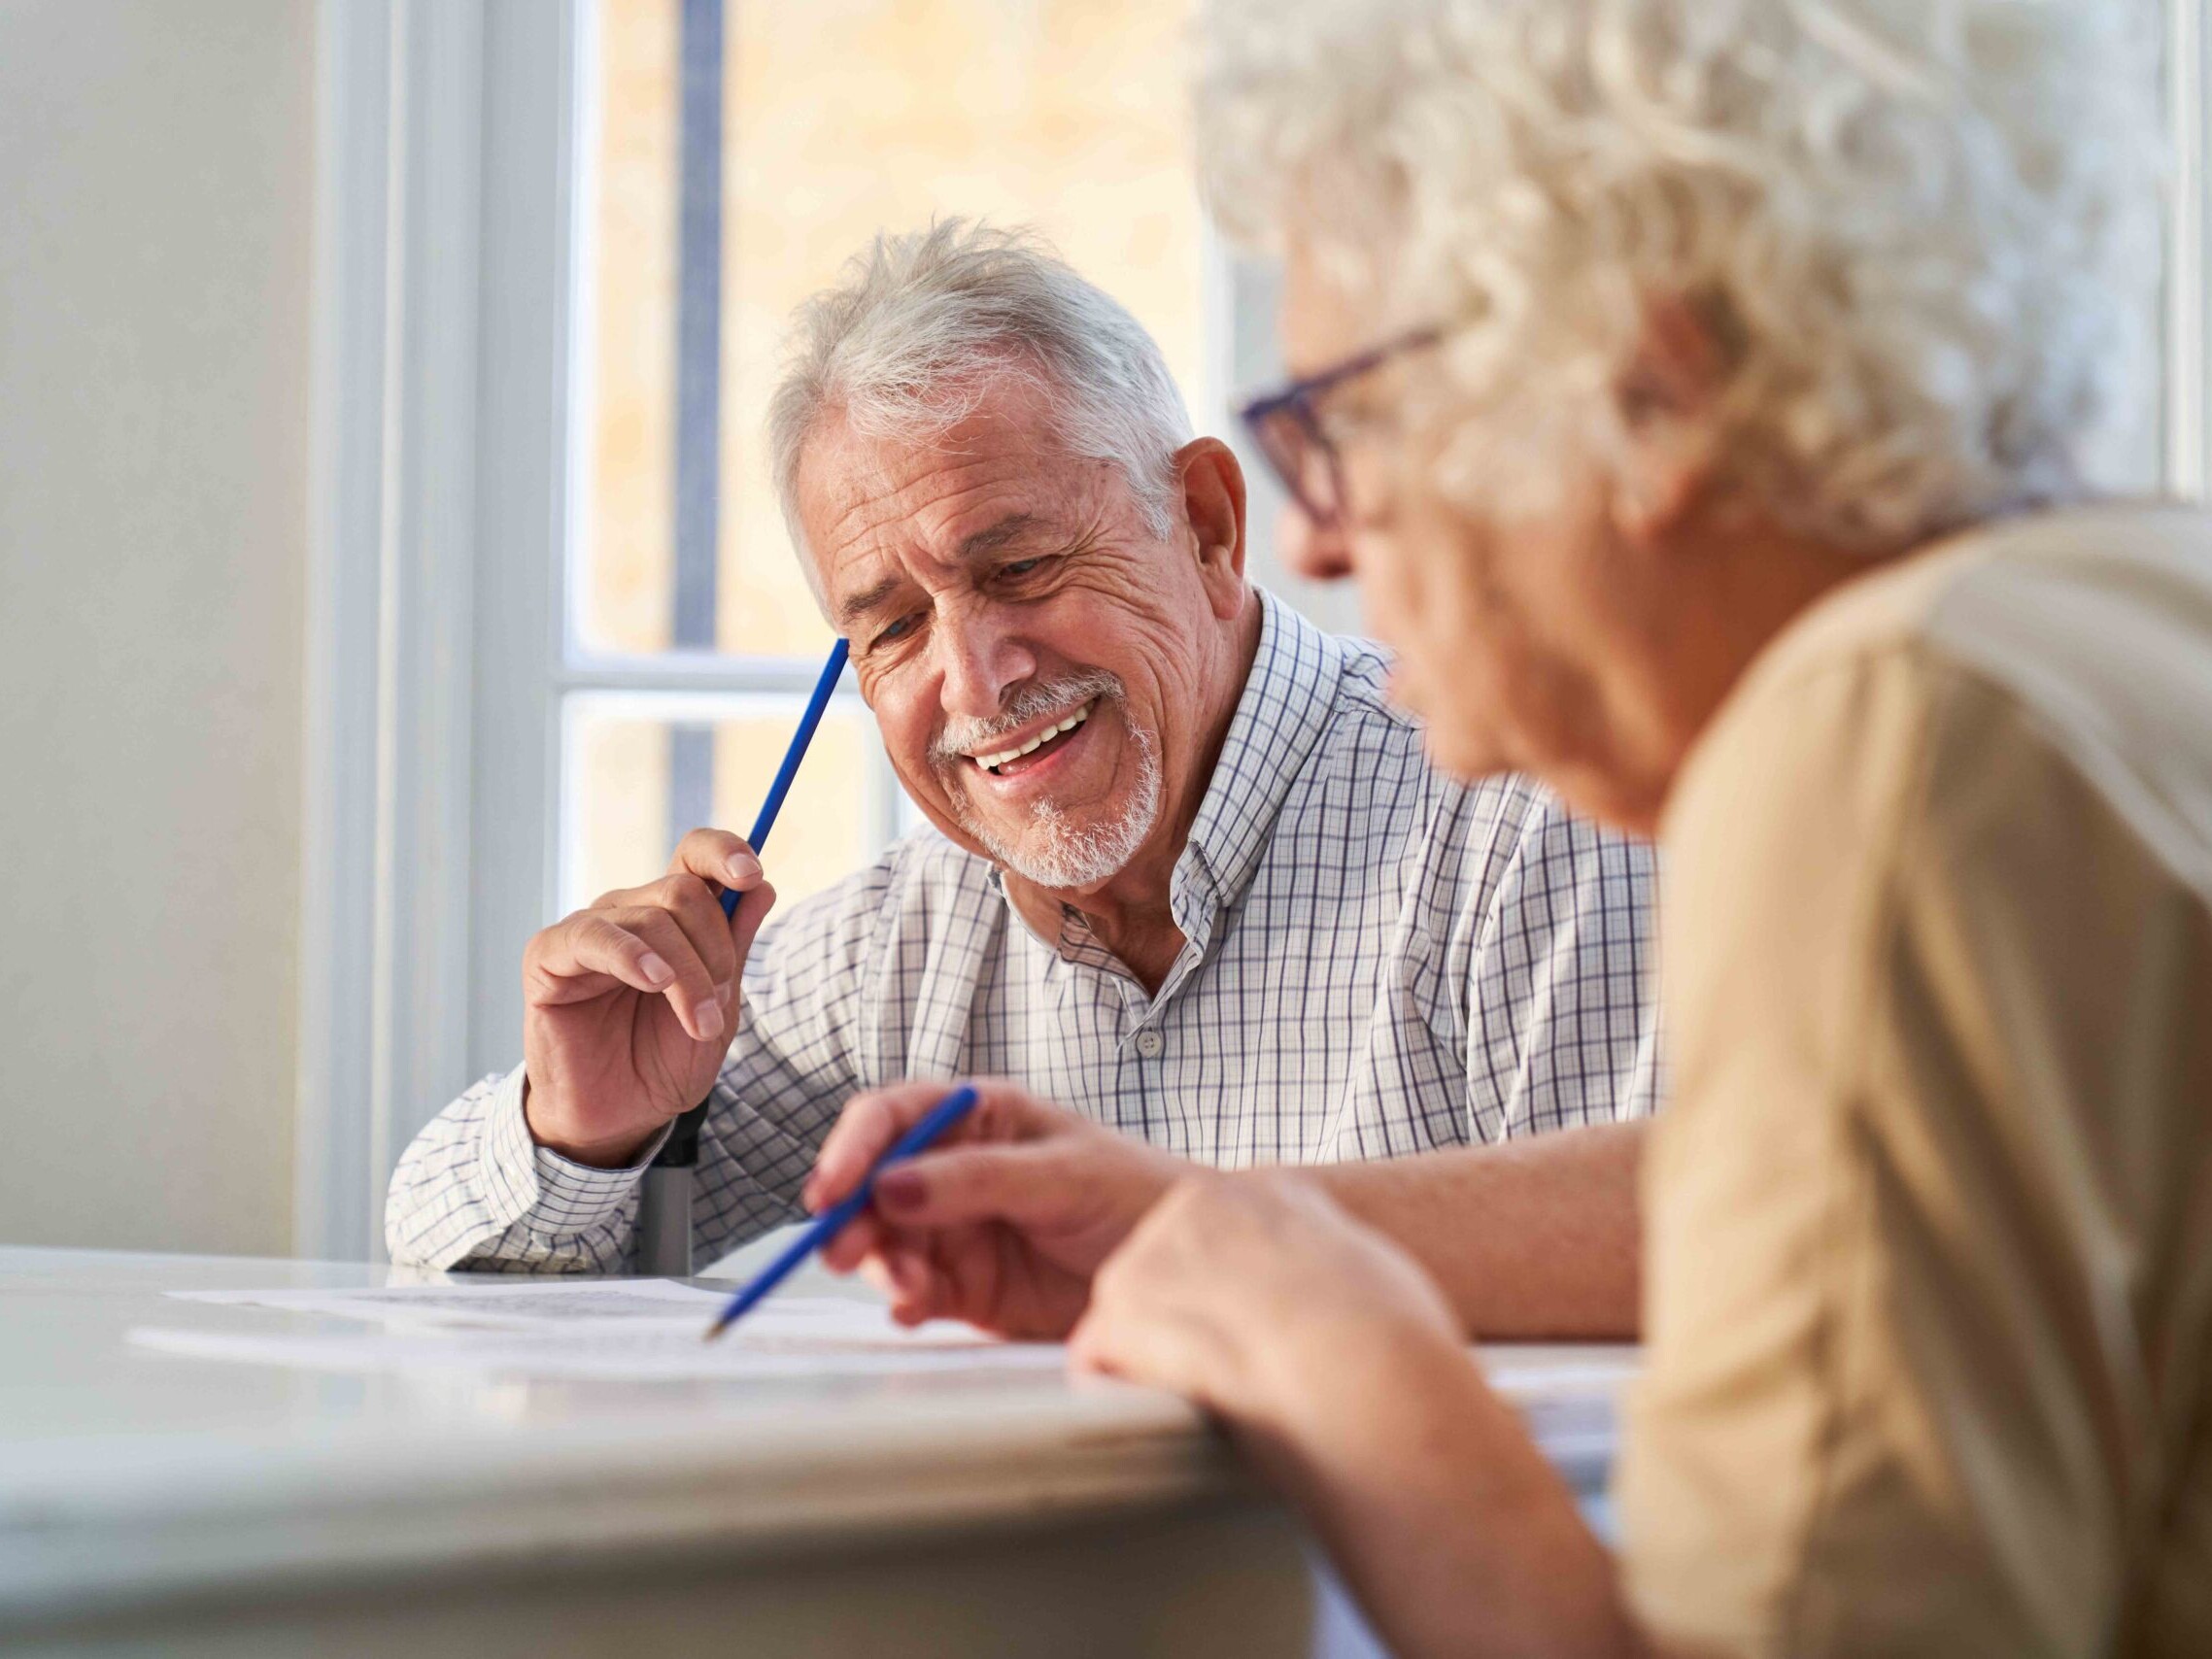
(626, 792)
(629, 366)
(1064, 115)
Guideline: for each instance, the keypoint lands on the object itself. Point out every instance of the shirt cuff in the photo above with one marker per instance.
(558, 1194)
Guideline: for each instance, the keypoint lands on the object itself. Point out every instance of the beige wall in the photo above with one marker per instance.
(154, 242)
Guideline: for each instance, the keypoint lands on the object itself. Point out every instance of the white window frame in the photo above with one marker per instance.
(451, 468)
(401, 662)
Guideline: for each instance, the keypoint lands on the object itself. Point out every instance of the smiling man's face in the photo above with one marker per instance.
(1048, 673)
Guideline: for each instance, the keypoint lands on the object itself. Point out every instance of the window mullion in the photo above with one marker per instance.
(690, 672)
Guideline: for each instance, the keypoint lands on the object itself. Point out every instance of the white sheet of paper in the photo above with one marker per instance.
(629, 1330)
(503, 1304)
(627, 1355)
(797, 1338)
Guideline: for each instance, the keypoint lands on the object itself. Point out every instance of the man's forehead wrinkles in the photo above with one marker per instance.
(950, 529)
(1008, 528)
(926, 504)
(912, 552)
(906, 516)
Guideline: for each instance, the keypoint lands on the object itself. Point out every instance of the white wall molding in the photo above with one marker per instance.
(2188, 253)
(391, 599)
(345, 495)
(529, 475)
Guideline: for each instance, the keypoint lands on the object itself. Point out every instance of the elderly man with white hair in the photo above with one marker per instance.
(1704, 395)
(1187, 873)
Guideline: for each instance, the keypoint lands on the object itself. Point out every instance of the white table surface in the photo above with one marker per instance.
(128, 1477)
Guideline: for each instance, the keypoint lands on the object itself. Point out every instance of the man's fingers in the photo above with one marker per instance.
(642, 948)
(699, 912)
(579, 957)
(752, 910)
(692, 996)
(719, 857)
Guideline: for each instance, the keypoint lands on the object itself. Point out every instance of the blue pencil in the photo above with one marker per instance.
(834, 1220)
(792, 755)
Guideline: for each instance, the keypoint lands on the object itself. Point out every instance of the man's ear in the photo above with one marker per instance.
(1668, 400)
(1214, 504)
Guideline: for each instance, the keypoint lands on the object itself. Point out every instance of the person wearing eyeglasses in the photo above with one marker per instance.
(1709, 403)
(1185, 871)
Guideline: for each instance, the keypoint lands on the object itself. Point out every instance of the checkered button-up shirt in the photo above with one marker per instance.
(1378, 962)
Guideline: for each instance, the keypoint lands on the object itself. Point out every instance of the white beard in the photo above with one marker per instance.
(1054, 852)
(1057, 852)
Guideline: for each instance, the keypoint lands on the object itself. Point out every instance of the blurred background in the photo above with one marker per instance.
(387, 563)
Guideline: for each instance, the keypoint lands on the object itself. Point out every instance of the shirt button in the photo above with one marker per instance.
(1149, 1043)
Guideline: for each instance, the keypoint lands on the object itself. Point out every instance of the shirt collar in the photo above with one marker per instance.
(1287, 703)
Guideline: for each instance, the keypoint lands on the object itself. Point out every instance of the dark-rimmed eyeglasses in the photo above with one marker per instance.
(1288, 426)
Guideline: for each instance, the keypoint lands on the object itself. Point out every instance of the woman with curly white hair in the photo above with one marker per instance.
(1706, 396)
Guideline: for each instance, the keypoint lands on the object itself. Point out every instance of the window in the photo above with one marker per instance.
(722, 183)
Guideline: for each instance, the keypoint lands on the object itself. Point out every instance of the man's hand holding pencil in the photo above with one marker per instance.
(628, 1005)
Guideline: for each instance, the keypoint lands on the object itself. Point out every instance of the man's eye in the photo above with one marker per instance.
(893, 632)
(1021, 567)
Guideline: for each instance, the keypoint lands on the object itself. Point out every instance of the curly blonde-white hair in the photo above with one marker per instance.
(1926, 231)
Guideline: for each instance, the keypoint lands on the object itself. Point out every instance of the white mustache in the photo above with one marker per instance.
(1031, 703)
